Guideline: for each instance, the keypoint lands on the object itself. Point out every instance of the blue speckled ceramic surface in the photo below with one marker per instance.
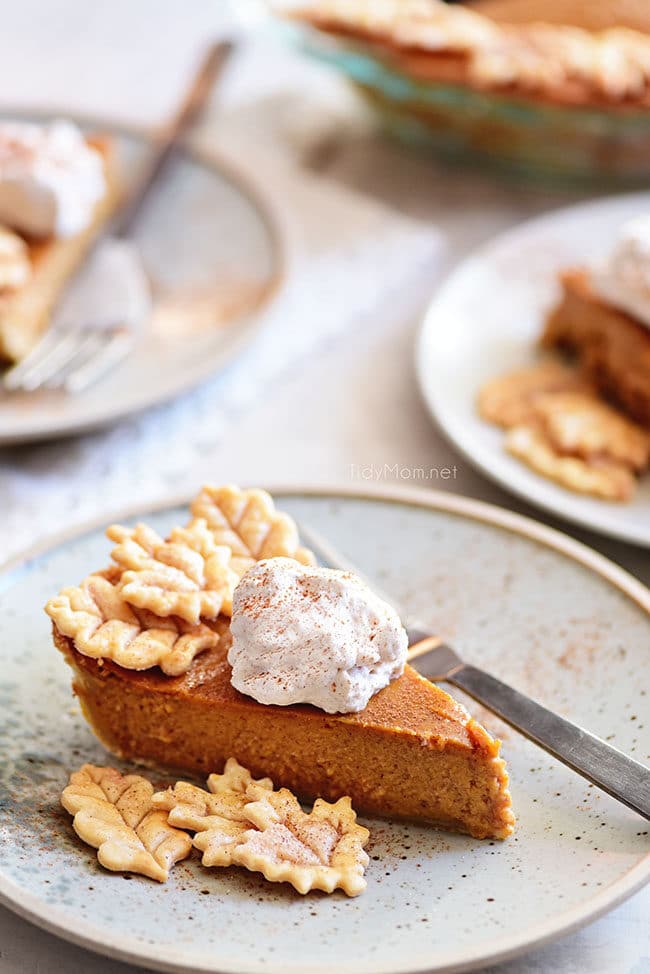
(531, 614)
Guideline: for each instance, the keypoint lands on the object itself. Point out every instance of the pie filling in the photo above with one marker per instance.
(413, 753)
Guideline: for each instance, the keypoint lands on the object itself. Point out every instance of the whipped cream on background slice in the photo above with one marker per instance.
(312, 635)
(623, 280)
(50, 178)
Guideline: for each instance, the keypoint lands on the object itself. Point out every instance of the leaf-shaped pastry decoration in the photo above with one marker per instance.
(322, 849)
(587, 427)
(103, 625)
(604, 478)
(247, 522)
(245, 823)
(236, 779)
(216, 815)
(568, 64)
(186, 575)
(509, 399)
(114, 814)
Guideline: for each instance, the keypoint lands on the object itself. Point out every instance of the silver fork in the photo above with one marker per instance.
(72, 357)
(606, 767)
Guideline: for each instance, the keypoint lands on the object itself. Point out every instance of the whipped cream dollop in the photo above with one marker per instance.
(624, 278)
(312, 635)
(50, 178)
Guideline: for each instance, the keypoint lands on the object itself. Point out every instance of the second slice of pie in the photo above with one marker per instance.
(27, 305)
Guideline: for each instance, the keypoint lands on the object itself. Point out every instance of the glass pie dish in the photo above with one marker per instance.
(522, 135)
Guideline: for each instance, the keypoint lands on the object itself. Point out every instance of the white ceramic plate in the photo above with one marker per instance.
(485, 320)
(553, 617)
(215, 255)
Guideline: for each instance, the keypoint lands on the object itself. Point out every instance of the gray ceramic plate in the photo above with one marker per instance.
(214, 253)
(551, 616)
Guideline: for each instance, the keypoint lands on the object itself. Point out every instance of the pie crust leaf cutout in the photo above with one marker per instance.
(587, 427)
(185, 575)
(243, 822)
(561, 429)
(603, 478)
(104, 626)
(237, 779)
(509, 400)
(114, 814)
(217, 815)
(247, 522)
(218, 820)
(322, 849)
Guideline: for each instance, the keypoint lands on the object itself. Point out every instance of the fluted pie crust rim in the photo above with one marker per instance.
(430, 41)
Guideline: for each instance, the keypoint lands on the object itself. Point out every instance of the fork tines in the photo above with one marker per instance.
(70, 360)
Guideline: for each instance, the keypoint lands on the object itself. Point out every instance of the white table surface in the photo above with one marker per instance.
(359, 405)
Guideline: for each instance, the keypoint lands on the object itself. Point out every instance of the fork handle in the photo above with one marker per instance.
(599, 762)
(191, 107)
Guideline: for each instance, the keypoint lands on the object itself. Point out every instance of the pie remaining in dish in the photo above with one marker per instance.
(431, 41)
(540, 100)
(156, 688)
(27, 303)
(602, 15)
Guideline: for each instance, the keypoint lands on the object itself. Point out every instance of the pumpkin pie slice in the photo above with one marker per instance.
(413, 753)
(26, 309)
(612, 346)
(157, 688)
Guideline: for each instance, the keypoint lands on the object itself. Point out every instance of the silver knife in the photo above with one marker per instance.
(608, 768)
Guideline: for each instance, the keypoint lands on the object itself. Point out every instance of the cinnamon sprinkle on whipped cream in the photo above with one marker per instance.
(312, 635)
(50, 179)
(623, 279)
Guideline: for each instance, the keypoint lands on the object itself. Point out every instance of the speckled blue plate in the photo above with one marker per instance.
(549, 615)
